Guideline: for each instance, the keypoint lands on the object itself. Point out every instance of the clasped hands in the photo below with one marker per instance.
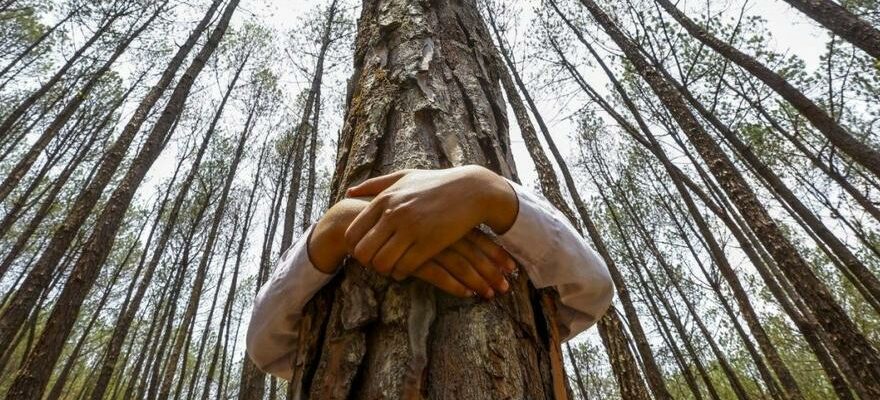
(422, 223)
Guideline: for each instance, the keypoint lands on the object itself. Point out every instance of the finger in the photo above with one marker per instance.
(460, 268)
(482, 265)
(414, 256)
(369, 245)
(374, 186)
(390, 253)
(362, 223)
(500, 257)
(434, 274)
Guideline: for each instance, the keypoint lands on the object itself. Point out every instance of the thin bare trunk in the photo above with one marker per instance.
(845, 335)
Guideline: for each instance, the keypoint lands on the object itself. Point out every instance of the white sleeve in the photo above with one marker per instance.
(271, 334)
(553, 253)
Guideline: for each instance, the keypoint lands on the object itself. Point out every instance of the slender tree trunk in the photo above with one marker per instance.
(676, 322)
(252, 382)
(842, 22)
(19, 111)
(735, 383)
(835, 321)
(121, 330)
(860, 152)
(202, 269)
(46, 34)
(303, 129)
(206, 331)
(582, 387)
(415, 107)
(829, 170)
(313, 150)
(863, 279)
(24, 236)
(18, 208)
(227, 307)
(809, 331)
(17, 173)
(683, 363)
(23, 300)
(31, 380)
(550, 187)
(73, 357)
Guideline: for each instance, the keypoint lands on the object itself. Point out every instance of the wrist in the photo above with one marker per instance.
(325, 249)
(498, 201)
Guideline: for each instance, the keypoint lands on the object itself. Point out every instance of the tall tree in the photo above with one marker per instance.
(861, 152)
(63, 236)
(414, 107)
(31, 379)
(842, 331)
(841, 21)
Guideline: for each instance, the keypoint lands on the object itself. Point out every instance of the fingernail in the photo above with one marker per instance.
(490, 294)
(504, 286)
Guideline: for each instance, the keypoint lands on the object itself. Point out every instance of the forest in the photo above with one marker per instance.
(722, 157)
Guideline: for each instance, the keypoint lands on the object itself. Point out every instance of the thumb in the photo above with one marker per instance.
(374, 186)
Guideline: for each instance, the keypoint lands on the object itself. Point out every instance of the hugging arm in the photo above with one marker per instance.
(450, 201)
(554, 254)
(310, 263)
(550, 250)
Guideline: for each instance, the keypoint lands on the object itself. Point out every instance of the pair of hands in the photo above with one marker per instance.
(422, 223)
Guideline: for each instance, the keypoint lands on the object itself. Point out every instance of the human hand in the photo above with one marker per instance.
(473, 265)
(418, 213)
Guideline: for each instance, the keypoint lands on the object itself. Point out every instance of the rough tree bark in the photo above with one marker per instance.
(842, 22)
(425, 95)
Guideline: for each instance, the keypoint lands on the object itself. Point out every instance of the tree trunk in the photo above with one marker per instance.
(582, 387)
(227, 307)
(861, 277)
(23, 166)
(24, 299)
(304, 129)
(550, 187)
(313, 150)
(202, 269)
(17, 208)
(432, 102)
(828, 169)
(18, 112)
(31, 379)
(37, 42)
(842, 22)
(862, 153)
(843, 332)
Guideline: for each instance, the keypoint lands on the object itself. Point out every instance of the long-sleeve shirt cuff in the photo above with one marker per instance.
(553, 253)
(278, 305)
